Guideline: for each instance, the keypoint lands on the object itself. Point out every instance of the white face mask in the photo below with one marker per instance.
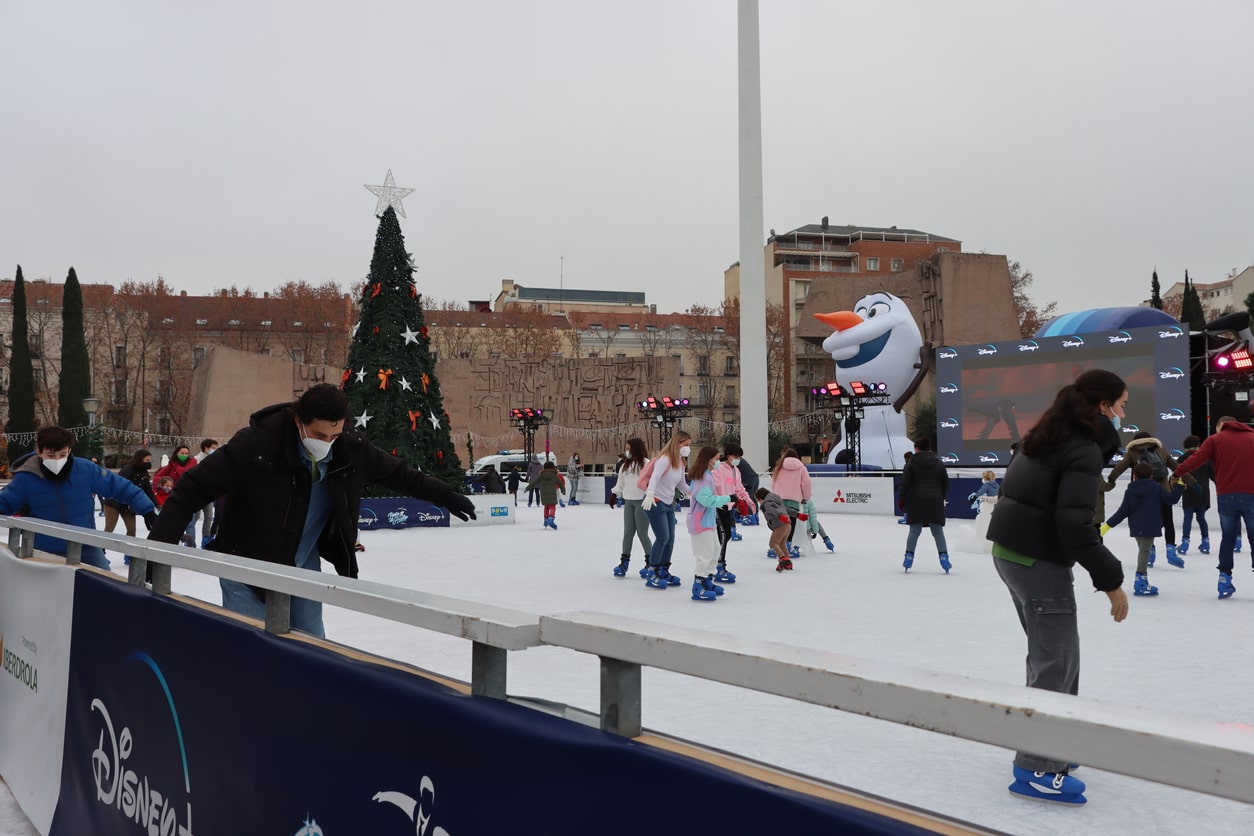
(316, 447)
(685, 450)
(627, 453)
(734, 462)
(55, 465)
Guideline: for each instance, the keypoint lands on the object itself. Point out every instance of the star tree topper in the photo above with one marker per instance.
(389, 195)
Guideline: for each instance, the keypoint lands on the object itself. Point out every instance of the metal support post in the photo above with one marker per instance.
(487, 670)
(73, 553)
(620, 697)
(278, 612)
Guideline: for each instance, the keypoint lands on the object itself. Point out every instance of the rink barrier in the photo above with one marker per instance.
(493, 631)
(1204, 756)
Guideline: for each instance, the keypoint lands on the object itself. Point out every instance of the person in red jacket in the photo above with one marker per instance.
(180, 463)
(1231, 449)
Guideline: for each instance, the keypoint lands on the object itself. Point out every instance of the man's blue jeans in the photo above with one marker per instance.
(306, 615)
(662, 521)
(1234, 509)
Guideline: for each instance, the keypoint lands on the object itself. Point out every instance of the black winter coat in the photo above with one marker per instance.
(924, 484)
(1046, 509)
(264, 476)
(140, 479)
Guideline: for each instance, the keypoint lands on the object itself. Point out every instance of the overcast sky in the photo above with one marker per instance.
(228, 143)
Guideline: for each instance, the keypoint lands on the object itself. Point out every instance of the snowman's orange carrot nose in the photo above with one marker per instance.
(840, 320)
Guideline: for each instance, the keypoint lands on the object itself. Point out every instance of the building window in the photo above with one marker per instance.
(801, 290)
(298, 355)
(703, 364)
(622, 326)
(729, 397)
(163, 425)
(164, 360)
(729, 365)
(119, 391)
(198, 355)
(872, 265)
(119, 357)
(266, 351)
(897, 264)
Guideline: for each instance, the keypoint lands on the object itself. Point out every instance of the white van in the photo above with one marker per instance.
(506, 461)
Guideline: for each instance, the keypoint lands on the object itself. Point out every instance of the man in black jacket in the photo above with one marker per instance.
(292, 481)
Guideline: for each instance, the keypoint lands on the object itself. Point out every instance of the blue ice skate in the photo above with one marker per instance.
(735, 535)
(700, 593)
(1225, 586)
(709, 584)
(944, 561)
(620, 570)
(771, 555)
(647, 572)
(1153, 554)
(1183, 548)
(724, 576)
(1237, 546)
(752, 519)
(656, 580)
(827, 541)
(1141, 586)
(1204, 547)
(1172, 551)
(909, 561)
(1058, 787)
(793, 551)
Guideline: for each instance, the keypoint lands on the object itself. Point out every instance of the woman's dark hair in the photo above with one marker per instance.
(786, 453)
(182, 447)
(698, 465)
(1075, 410)
(731, 448)
(1191, 442)
(639, 453)
(138, 458)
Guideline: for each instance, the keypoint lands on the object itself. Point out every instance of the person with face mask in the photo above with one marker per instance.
(295, 459)
(181, 461)
(635, 521)
(1040, 528)
(136, 472)
(54, 485)
(727, 481)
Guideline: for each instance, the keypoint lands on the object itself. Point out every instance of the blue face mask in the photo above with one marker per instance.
(1114, 419)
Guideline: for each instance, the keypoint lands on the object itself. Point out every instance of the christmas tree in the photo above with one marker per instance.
(393, 393)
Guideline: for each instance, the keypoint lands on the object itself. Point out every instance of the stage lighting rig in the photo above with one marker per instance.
(847, 403)
(528, 420)
(664, 413)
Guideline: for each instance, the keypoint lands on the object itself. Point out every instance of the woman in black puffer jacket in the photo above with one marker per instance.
(1041, 527)
(135, 471)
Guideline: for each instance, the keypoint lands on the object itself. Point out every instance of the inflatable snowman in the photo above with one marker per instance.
(877, 342)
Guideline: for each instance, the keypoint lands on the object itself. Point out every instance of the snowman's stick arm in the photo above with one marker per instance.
(926, 353)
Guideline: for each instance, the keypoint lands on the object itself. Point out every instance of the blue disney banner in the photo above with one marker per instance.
(400, 512)
(181, 721)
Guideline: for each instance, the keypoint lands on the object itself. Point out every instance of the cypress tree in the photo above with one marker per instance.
(1156, 297)
(393, 392)
(21, 375)
(1191, 306)
(75, 382)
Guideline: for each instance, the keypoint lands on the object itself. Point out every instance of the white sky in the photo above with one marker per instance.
(228, 143)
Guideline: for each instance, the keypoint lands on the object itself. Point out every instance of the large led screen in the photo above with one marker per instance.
(989, 395)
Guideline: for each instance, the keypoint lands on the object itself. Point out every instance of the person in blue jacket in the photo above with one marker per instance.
(51, 484)
(1145, 504)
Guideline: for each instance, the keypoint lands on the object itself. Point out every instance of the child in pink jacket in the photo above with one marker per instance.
(727, 483)
(791, 482)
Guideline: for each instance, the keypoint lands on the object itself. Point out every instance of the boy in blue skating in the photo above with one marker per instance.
(1144, 503)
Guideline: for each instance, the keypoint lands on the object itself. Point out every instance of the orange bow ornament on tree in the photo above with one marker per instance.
(414, 415)
(426, 378)
(384, 376)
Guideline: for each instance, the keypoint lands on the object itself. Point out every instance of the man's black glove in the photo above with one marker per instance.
(150, 520)
(460, 506)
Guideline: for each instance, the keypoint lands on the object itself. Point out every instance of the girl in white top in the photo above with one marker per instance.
(666, 486)
(635, 523)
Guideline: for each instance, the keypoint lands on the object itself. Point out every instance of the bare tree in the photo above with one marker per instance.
(704, 334)
(776, 361)
(1031, 316)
